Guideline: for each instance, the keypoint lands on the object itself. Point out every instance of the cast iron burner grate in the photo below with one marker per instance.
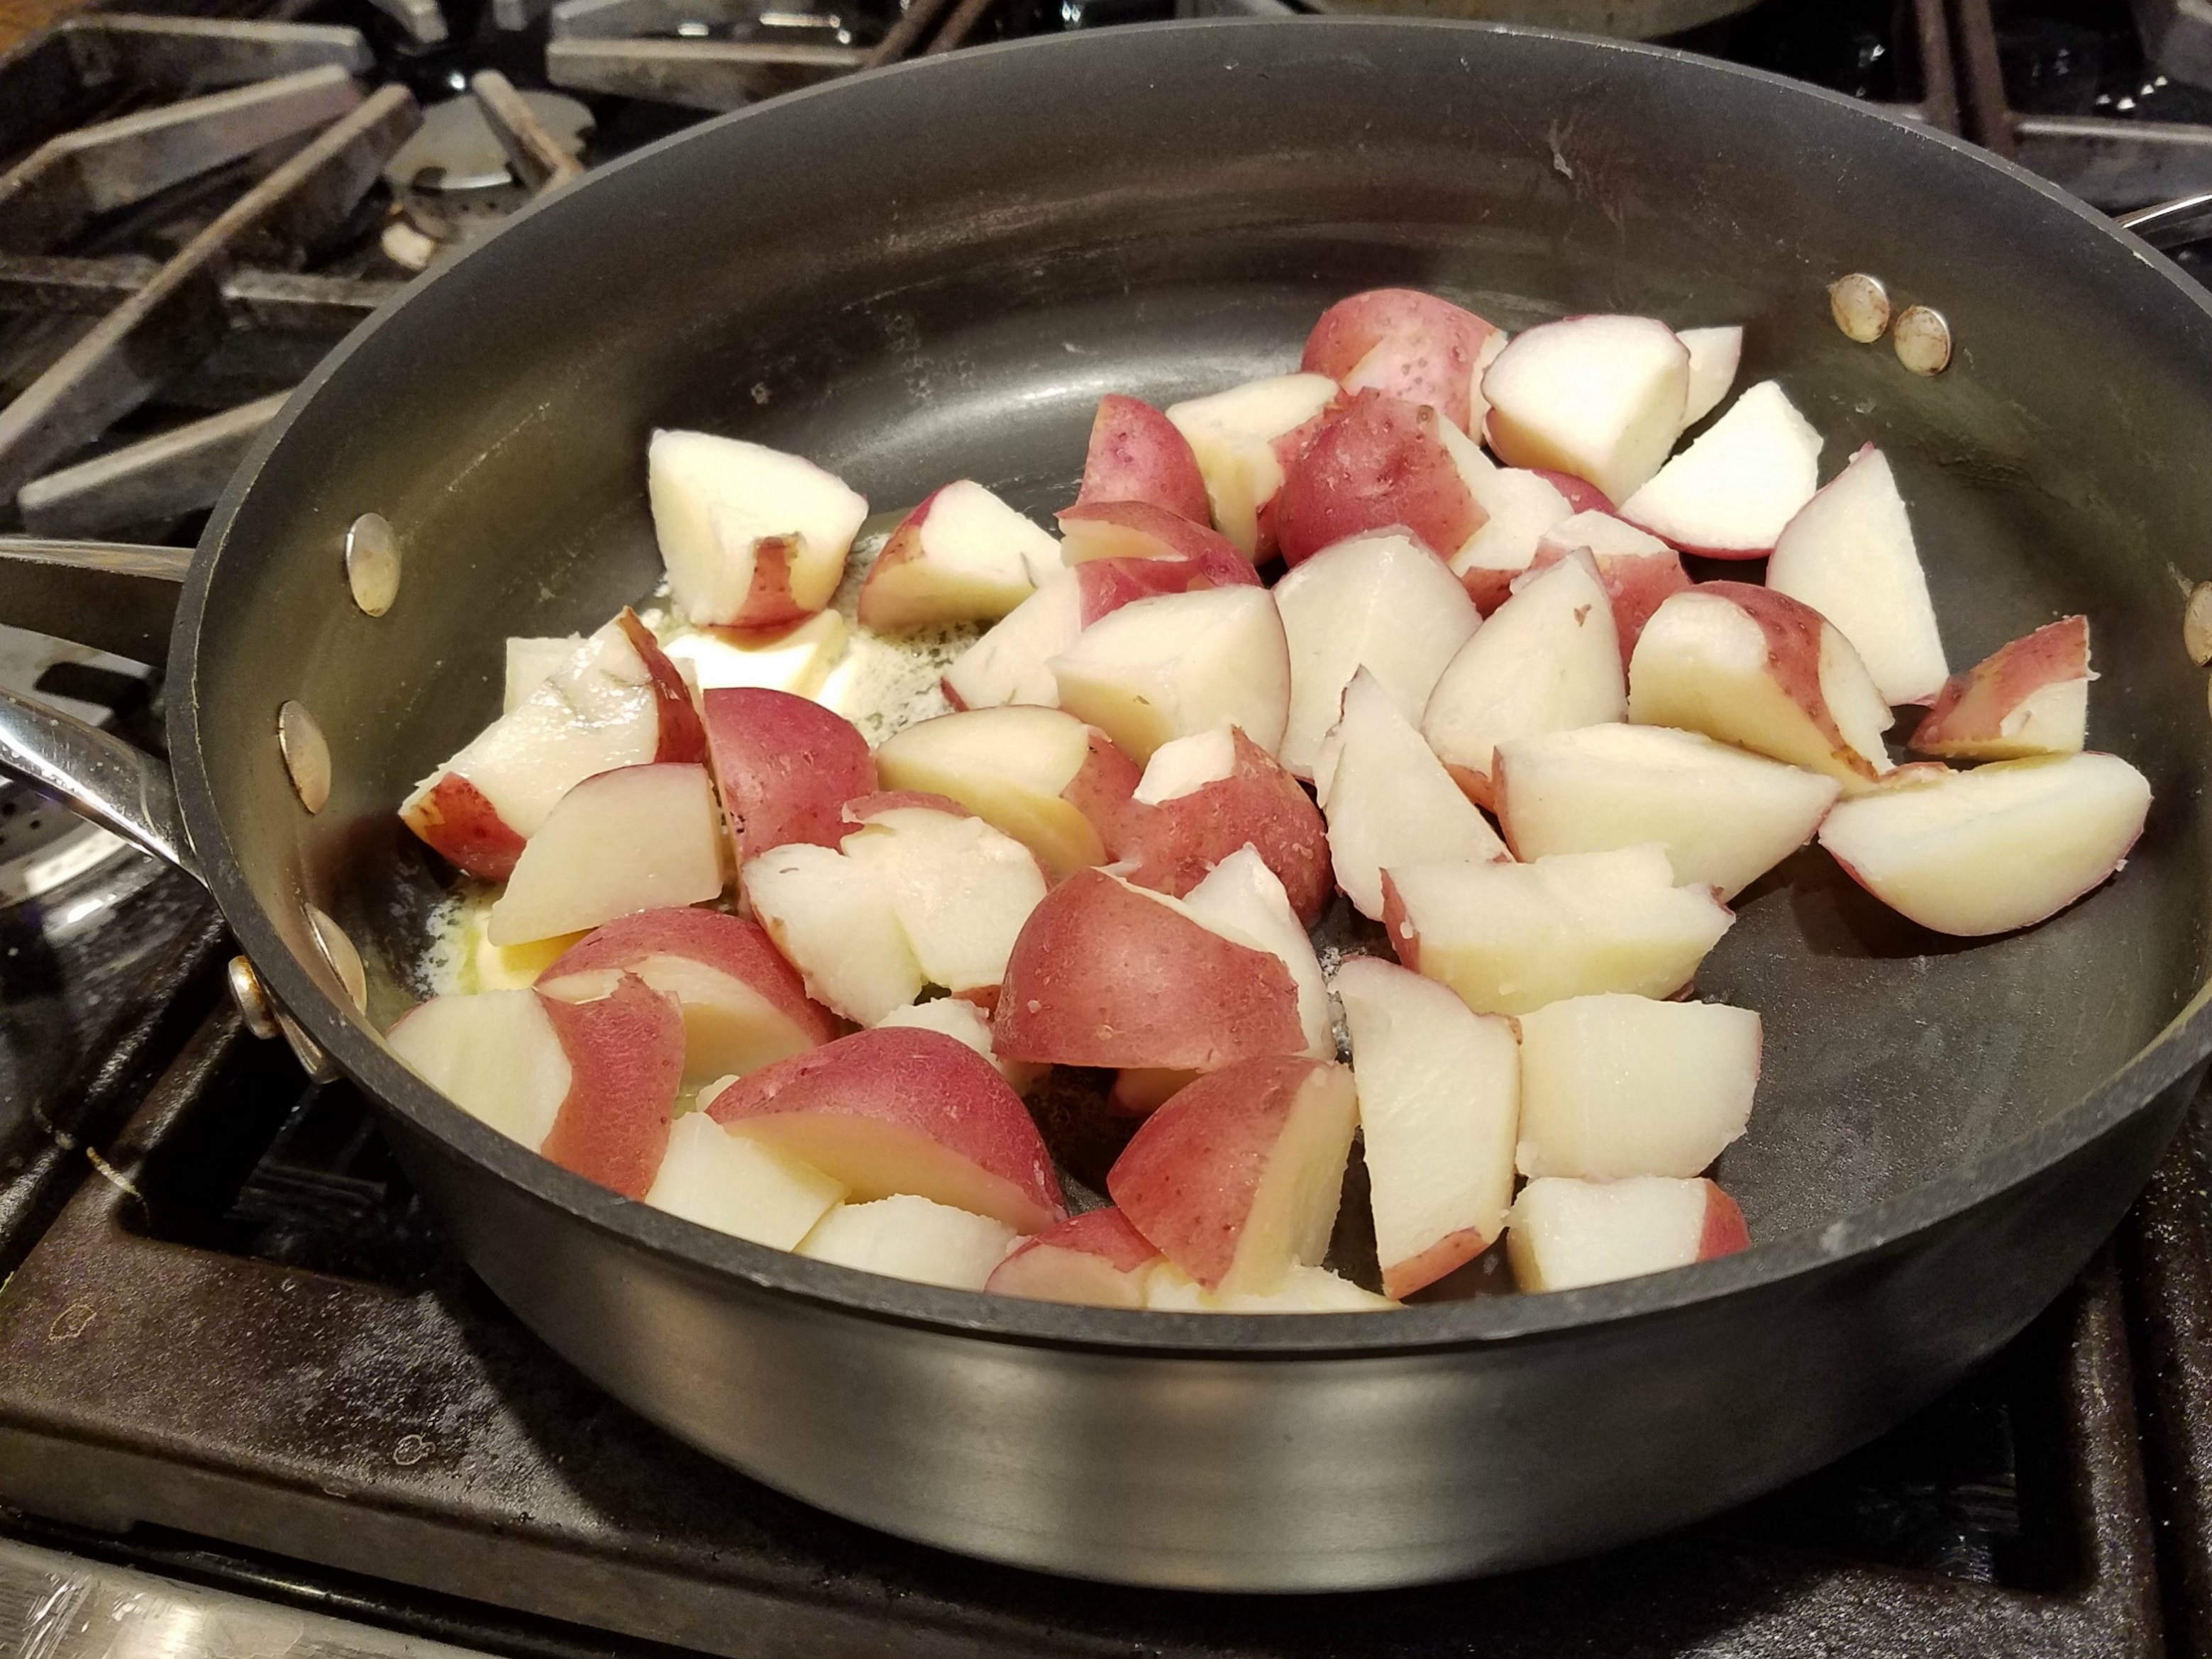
(243, 1359)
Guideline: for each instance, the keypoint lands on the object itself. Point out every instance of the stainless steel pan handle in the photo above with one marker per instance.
(115, 597)
(2172, 224)
(102, 778)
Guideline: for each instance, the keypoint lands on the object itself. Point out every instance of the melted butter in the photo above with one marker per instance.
(880, 682)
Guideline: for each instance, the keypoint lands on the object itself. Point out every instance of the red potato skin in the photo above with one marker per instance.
(1971, 706)
(1101, 788)
(1097, 1259)
(1638, 583)
(861, 808)
(1489, 588)
(683, 735)
(903, 546)
(1136, 454)
(1582, 495)
(769, 601)
(1187, 1178)
(730, 944)
(1378, 465)
(1429, 348)
(1478, 786)
(1793, 630)
(456, 820)
(1100, 976)
(1725, 1232)
(1149, 532)
(1175, 844)
(1106, 1233)
(1106, 585)
(626, 1052)
(923, 1082)
(1289, 449)
(1403, 939)
(1448, 1255)
(785, 766)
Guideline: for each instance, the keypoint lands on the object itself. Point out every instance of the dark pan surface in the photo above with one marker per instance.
(1164, 212)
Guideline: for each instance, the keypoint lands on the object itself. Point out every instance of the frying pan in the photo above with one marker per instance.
(932, 272)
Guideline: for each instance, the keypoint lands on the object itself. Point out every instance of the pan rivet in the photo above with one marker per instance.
(307, 756)
(2196, 624)
(1860, 305)
(339, 952)
(252, 1002)
(372, 563)
(1923, 340)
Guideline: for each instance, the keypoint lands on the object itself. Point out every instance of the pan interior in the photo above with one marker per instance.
(1164, 213)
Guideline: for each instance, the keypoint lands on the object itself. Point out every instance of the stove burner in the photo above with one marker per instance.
(455, 149)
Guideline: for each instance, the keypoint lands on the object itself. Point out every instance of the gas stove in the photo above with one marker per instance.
(250, 1403)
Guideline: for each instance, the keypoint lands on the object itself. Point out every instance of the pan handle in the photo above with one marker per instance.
(101, 777)
(2172, 224)
(114, 597)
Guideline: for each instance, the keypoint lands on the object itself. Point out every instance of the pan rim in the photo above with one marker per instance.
(309, 992)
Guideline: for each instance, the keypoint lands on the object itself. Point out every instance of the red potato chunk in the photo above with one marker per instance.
(1439, 1092)
(1849, 553)
(1378, 465)
(1409, 345)
(1164, 668)
(2030, 698)
(614, 701)
(1765, 671)
(1384, 604)
(1091, 531)
(1565, 1234)
(1547, 660)
(1008, 664)
(744, 1006)
(1204, 796)
(1040, 775)
(1511, 938)
(1105, 973)
(1246, 440)
(1618, 1086)
(901, 1110)
(1237, 1178)
(751, 536)
(1096, 1260)
(962, 556)
(1730, 494)
(785, 766)
(591, 1085)
(636, 838)
(2004, 846)
(1599, 397)
(1638, 570)
(1136, 454)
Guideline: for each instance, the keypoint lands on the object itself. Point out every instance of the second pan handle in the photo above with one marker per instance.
(114, 597)
(102, 778)
(2172, 224)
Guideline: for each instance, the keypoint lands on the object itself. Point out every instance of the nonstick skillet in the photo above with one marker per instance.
(934, 271)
